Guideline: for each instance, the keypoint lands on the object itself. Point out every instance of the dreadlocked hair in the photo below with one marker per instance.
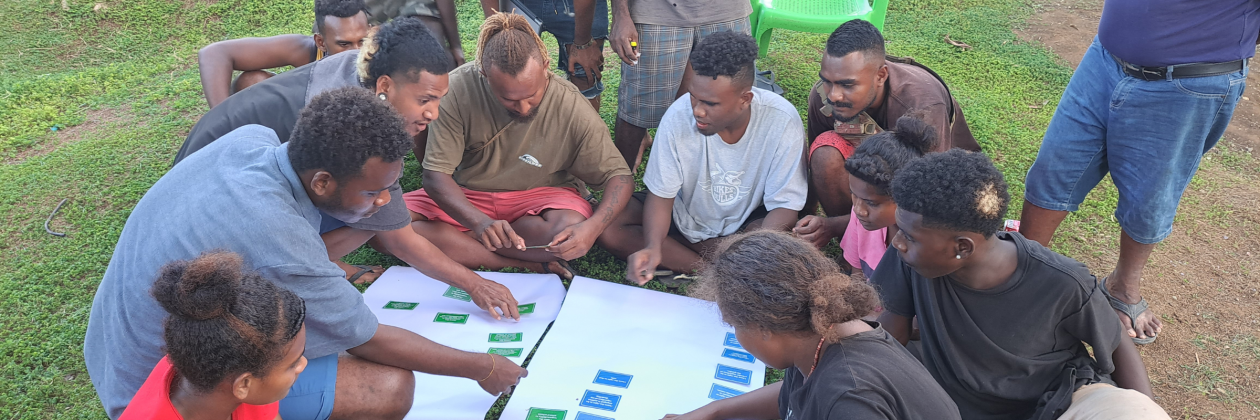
(773, 281)
(507, 42)
(225, 320)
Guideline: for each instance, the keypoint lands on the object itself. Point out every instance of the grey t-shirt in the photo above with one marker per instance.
(866, 376)
(715, 185)
(999, 352)
(688, 13)
(238, 194)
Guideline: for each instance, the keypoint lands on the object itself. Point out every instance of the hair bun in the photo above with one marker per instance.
(915, 134)
(201, 289)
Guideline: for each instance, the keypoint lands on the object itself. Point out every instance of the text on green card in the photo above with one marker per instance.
(451, 318)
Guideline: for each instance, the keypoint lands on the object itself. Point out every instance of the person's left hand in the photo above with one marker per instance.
(591, 58)
(494, 298)
(573, 242)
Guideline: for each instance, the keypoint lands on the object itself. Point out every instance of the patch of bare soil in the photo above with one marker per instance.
(94, 122)
(1202, 279)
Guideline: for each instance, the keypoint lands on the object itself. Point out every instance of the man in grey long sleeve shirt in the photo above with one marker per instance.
(252, 195)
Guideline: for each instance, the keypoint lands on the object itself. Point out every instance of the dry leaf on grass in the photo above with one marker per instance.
(962, 45)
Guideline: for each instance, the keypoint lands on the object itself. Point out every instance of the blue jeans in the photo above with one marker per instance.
(556, 19)
(1150, 135)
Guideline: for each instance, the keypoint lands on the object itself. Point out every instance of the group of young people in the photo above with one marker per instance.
(933, 312)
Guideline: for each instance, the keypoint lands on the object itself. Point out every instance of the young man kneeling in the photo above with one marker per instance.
(1004, 321)
(728, 157)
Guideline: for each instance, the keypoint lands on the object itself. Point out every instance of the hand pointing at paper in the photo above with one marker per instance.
(495, 298)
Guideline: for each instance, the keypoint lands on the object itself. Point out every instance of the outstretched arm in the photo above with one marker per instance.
(763, 403)
(418, 252)
(404, 349)
(217, 61)
(657, 215)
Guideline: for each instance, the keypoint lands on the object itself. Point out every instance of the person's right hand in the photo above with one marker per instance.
(813, 229)
(505, 376)
(621, 35)
(498, 234)
(494, 298)
(641, 266)
(702, 413)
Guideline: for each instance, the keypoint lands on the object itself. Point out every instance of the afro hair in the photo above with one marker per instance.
(956, 190)
(879, 157)
(730, 54)
(342, 128)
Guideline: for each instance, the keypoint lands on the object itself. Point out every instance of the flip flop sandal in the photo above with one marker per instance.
(1132, 311)
(568, 273)
(363, 269)
(674, 283)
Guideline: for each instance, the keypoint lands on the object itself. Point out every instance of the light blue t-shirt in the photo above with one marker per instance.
(238, 194)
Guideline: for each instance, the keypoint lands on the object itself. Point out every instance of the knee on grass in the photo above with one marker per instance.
(250, 78)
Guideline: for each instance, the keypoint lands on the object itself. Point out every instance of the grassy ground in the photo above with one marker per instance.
(95, 98)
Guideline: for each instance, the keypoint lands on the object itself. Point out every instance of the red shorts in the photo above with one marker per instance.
(507, 206)
(830, 138)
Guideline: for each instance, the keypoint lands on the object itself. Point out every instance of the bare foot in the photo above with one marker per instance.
(554, 267)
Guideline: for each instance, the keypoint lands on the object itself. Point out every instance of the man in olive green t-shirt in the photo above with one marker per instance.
(509, 157)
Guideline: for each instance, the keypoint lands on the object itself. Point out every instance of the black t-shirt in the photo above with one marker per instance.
(868, 375)
(997, 352)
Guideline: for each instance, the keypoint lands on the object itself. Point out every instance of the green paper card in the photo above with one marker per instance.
(545, 414)
(457, 294)
(406, 306)
(527, 308)
(451, 318)
(505, 337)
(506, 352)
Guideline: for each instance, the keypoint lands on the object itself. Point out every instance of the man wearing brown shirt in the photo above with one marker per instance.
(509, 157)
(860, 90)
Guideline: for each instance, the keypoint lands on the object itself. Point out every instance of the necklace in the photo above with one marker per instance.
(817, 353)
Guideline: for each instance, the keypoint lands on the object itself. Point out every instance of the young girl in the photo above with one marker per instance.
(794, 309)
(234, 344)
(871, 168)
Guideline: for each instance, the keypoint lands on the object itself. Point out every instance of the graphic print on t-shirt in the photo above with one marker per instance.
(725, 186)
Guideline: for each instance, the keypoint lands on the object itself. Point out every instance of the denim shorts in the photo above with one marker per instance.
(556, 18)
(1150, 135)
(311, 397)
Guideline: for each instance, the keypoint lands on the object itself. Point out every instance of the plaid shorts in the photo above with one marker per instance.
(649, 87)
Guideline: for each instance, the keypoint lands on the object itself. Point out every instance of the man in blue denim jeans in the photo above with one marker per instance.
(580, 28)
(1153, 93)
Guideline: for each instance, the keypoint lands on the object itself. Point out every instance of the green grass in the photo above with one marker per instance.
(134, 61)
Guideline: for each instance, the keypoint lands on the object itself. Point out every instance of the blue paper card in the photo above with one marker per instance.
(731, 341)
(718, 392)
(589, 416)
(619, 380)
(731, 374)
(738, 355)
(600, 400)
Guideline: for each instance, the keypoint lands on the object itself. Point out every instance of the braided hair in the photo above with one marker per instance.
(507, 42)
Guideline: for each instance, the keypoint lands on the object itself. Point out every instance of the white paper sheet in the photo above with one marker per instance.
(446, 398)
(669, 345)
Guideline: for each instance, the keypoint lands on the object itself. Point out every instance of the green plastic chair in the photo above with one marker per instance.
(817, 16)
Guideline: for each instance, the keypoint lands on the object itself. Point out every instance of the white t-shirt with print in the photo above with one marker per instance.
(716, 185)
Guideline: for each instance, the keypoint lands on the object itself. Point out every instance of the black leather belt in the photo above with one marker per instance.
(1179, 71)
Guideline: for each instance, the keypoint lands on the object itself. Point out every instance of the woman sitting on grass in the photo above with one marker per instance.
(871, 168)
(794, 309)
(234, 344)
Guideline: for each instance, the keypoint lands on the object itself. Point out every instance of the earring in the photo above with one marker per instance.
(382, 96)
(958, 256)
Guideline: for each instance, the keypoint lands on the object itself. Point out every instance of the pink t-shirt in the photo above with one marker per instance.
(863, 248)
